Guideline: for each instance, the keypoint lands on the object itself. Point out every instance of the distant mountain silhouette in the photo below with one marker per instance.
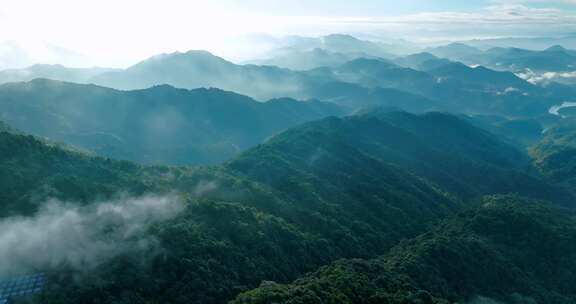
(414, 61)
(54, 72)
(454, 51)
(309, 59)
(450, 85)
(161, 124)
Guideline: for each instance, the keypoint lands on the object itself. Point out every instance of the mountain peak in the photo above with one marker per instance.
(369, 62)
(340, 37)
(456, 46)
(556, 48)
(191, 54)
(423, 55)
(180, 59)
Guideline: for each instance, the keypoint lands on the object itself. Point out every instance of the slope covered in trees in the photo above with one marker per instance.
(331, 189)
(233, 232)
(506, 250)
(158, 125)
(555, 155)
(33, 171)
(456, 156)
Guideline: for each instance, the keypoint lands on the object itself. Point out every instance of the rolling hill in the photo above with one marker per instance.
(161, 124)
(507, 250)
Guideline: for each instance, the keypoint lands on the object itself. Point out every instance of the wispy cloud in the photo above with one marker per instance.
(494, 14)
(512, 19)
(122, 32)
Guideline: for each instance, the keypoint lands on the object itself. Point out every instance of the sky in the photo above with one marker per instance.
(119, 32)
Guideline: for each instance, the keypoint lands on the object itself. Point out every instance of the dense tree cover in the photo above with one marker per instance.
(521, 132)
(555, 155)
(234, 231)
(456, 156)
(32, 170)
(159, 125)
(331, 189)
(380, 207)
(508, 249)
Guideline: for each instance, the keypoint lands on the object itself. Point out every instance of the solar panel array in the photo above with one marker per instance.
(22, 286)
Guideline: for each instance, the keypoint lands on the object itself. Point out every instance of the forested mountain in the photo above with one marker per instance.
(331, 171)
(521, 132)
(196, 69)
(33, 171)
(157, 125)
(442, 148)
(555, 155)
(233, 220)
(452, 86)
(506, 250)
(165, 125)
(336, 188)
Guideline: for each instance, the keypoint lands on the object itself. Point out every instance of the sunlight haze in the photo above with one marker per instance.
(119, 33)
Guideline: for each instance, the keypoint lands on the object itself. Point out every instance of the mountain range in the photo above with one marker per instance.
(336, 188)
(555, 58)
(329, 172)
(161, 124)
(350, 83)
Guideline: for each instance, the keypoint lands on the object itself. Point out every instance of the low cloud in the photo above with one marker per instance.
(548, 77)
(62, 234)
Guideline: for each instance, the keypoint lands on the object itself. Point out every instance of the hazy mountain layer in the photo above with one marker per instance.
(307, 197)
(157, 125)
(453, 87)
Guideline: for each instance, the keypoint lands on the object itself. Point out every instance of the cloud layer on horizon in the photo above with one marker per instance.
(121, 33)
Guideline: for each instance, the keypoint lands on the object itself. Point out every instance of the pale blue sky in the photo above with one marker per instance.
(379, 7)
(120, 31)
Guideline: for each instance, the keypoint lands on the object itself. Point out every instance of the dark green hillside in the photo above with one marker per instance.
(555, 155)
(307, 197)
(234, 232)
(508, 250)
(32, 171)
(522, 132)
(330, 189)
(159, 125)
(446, 150)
